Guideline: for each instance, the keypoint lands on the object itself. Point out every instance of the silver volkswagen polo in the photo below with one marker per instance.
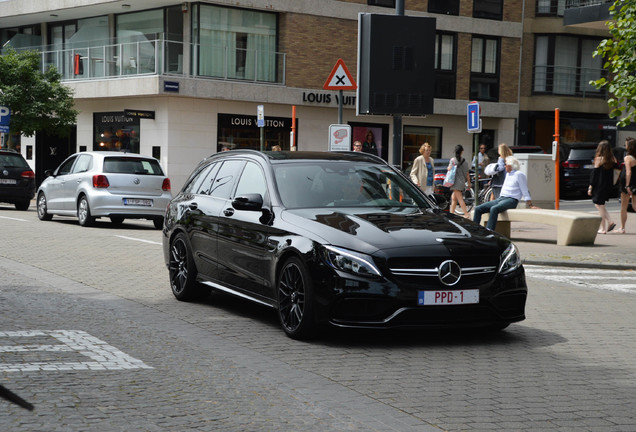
(116, 185)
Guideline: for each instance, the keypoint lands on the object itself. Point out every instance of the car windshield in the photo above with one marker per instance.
(344, 184)
(127, 165)
(12, 161)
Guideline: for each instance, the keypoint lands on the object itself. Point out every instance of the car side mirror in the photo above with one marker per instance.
(48, 173)
(249, 202)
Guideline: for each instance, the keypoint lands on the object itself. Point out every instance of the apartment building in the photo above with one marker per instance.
(180, 80)
(559, 39)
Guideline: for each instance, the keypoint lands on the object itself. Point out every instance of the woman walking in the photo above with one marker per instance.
(498, 179)
(627, 182)
(423, 171)
(601, 182)
(462, 180)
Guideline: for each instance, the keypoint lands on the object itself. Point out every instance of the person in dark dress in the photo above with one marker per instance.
(368, 146)
(601, 183)
(627, 181)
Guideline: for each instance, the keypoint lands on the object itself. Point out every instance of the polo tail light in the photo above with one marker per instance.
(166, 184)
(27, 174)
(100, 181)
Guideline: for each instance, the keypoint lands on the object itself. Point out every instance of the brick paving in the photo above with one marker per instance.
(225, 365)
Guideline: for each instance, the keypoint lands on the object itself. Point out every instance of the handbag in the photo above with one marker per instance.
(449, 180)
(491, 169)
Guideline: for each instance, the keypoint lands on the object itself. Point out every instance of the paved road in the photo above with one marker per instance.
(91, 335)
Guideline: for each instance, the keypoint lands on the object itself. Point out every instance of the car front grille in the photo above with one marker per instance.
(425, 271)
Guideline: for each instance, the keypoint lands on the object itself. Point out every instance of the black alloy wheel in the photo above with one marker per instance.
(295, 302)
(41, 207)
(183, 272)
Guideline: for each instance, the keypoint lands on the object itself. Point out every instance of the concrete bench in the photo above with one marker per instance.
(573, 227)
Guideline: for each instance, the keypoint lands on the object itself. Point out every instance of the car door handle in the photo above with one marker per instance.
(228, 211)
(193, 206)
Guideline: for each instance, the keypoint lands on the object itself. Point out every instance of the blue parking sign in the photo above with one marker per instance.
(5, 117)
(473, 120)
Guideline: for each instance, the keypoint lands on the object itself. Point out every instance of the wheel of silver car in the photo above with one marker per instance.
(295, 301)
(84, 213)
(158, 223)
(116, 220)
(183, 272)
(41, 206)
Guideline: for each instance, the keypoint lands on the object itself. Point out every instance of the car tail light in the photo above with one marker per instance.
(100, 181)
(567, 164)
(27, 174)
(166, 184)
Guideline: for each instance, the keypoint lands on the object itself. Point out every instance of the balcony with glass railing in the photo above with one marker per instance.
(567, 81)
(164, 57)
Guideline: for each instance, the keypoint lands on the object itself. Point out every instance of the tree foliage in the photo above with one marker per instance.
(38, 101)
(619, 53)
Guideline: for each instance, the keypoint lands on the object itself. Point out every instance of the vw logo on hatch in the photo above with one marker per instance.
(5, 172)
(449, 272)
(136, 180)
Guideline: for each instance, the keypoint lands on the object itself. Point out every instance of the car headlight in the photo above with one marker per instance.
(510, 260)
(351, 262)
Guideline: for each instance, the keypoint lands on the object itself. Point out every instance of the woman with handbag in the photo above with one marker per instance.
(461, 181)
(601, 183)
(423, 170)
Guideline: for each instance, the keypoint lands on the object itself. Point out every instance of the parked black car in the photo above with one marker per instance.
(576, 165)
(17, 180)
(336, 238)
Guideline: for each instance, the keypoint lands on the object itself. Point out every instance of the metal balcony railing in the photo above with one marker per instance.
(582, 3)
(164, 57)
(567, 81)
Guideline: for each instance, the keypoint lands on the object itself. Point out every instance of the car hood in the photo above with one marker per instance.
(372, 230)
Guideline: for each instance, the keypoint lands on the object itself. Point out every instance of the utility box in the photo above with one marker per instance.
(539, 169)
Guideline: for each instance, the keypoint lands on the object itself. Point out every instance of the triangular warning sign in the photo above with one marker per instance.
(340, 78)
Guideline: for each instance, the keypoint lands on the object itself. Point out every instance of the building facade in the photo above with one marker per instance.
(181, 80)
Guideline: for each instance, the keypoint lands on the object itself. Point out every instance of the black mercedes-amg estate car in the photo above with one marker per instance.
(339, 239)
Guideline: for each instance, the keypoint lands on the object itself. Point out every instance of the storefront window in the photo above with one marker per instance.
(237, 131)
(414, 137)
(115, 131)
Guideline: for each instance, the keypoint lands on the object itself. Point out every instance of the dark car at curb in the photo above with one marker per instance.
(339, 239)
(17, 180)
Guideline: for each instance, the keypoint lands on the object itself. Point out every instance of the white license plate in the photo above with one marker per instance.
(8, 181)
(447, 297)
(138, 202)
(588, 166)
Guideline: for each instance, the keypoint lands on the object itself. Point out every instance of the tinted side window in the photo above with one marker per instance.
(205, 185)
(222, 185)
(252, 181)
(84, 163)
(65, 168)
(194, 185)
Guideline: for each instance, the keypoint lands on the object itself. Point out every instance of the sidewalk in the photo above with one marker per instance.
(537, 245)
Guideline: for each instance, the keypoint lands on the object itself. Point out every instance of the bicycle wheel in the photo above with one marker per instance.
(469, 199)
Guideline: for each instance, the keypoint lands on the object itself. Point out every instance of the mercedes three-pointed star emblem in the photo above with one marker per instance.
(449, 272)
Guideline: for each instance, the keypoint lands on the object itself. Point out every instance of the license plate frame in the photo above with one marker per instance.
(138, 202)
(447, 297)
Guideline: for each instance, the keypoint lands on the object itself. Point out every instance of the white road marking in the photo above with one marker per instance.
(603, 279)
(102, 356)
(15, 219)
(137, 239)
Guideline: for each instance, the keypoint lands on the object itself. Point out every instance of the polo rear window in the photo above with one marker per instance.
(138, 166)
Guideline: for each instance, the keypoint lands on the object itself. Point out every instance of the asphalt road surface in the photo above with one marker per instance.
(91, 335)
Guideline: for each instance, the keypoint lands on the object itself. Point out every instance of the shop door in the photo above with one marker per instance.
(50, 151)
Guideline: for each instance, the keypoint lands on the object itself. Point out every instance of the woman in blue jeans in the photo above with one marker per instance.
(515, 187)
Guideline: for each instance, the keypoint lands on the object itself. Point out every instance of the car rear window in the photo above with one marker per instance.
(12, 160)
(582, 154)
(139, 166)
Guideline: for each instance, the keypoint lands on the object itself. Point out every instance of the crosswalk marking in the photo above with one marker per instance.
(603, 279)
